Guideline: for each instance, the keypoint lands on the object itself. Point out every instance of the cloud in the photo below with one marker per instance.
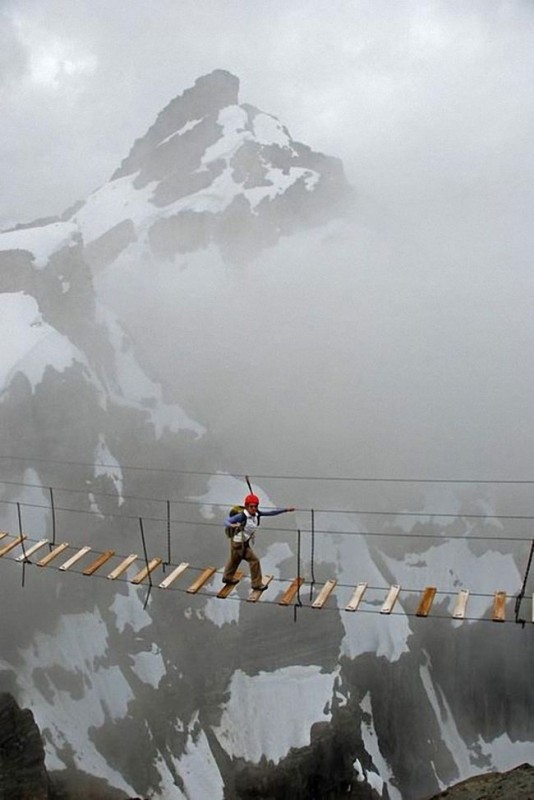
(411, 95)
(13, 55)
(52, 65)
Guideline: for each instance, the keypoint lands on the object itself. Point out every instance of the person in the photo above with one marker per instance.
(245, 524)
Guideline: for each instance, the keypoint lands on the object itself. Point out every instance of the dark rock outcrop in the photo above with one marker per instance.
(325, 770)
(23, 775)
(22, 769)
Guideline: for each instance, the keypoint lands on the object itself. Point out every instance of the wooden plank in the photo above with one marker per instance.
(123, 566)
(391, 599)
(356, 598)
(31, 550)
(229, 587)
(499, 601)
(3, 534)
(11, 546)
(291, 591)
(255, 594)
(425, 604)
(201, 580)
(177, 571)
(145, 572)
(461, 604)
(76, 557)
(324, 594)
(98, 562)
(52, 554)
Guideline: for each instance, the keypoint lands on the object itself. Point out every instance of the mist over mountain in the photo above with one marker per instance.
(228, 305)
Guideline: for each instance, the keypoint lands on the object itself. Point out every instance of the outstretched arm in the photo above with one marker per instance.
(275, 512)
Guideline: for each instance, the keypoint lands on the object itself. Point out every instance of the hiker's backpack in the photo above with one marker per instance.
(231, 532)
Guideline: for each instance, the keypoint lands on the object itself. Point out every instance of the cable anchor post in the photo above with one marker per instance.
(520, 596)
(53, 510)
(298, 601)
(169, 556)
(25, 559)
(146, 562)
(312, 559)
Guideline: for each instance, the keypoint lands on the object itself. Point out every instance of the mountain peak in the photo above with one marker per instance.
(206, 98)
(212, 171)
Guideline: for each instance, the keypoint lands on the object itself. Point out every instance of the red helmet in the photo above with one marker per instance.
(251, 499)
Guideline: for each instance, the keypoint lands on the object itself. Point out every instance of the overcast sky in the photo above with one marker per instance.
(430, 105)
(411, 94)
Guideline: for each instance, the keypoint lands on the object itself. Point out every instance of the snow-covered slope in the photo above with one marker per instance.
(30, 344)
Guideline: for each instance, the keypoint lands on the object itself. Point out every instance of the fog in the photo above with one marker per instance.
(372, 351)
(399, 342)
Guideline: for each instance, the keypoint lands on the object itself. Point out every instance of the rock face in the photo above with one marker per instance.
(517, 784)
(22, 769)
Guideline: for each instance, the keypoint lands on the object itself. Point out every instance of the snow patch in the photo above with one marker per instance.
(198, 769)
(451, 565)
(253, 726)
(149, 666)
(504, 753)
(42, 242)
(167, 787)
(113, 203)
(106, 464)
(234, 121)
(370, 742)
(222, 613)
(449, 732)
(187, 127)
(29, 344)
(268, 130)
(128, 608)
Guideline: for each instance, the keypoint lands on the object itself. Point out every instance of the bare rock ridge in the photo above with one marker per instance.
(22, 768)
(517, 784)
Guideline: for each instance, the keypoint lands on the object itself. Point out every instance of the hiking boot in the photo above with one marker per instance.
(231, 581)
(261, 588)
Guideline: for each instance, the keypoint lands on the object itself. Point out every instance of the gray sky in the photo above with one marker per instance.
(430, 105)
(418, 97)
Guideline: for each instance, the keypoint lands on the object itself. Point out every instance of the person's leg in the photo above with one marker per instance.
(255, 567)
(236, 554)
